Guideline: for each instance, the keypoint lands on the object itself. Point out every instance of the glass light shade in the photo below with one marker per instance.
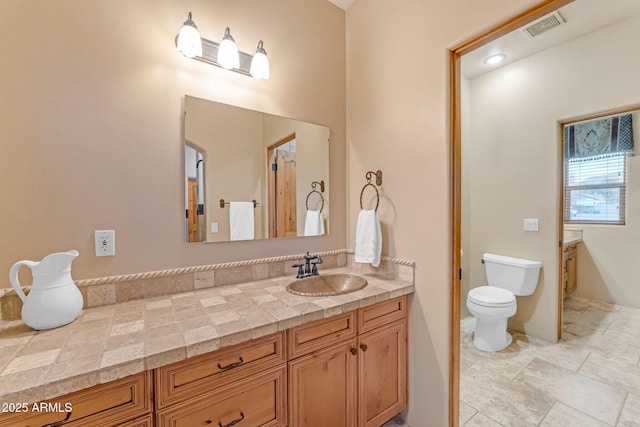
(260, 64)
(228, 56)
(189, 42)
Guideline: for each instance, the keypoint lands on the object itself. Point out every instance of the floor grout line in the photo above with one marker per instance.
(584, 361)
(621, 409)
(547, 413)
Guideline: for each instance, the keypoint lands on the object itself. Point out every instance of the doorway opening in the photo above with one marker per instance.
(538, 11)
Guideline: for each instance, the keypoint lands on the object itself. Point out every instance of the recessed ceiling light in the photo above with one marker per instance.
(495, 59)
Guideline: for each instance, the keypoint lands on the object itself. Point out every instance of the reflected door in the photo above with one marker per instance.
(281, 158)
(192, 211)
(286, 194)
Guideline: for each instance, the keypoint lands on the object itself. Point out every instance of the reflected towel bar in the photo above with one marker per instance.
(223, 203)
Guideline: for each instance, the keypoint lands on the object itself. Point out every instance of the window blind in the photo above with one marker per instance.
(595, 190)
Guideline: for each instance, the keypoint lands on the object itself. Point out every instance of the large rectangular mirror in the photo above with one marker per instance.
(250, 175)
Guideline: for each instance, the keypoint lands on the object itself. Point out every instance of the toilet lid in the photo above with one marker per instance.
(490, 295)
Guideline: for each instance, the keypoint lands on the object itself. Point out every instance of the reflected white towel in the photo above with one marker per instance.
(241, 220)
(314, 224)
(368, 238)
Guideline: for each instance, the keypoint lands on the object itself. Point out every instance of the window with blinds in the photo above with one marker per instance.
(595, 169)
(595, 190)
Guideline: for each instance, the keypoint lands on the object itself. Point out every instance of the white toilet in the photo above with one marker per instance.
(492, 305)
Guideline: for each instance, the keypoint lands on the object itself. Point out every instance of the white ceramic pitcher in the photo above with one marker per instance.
(54, 299)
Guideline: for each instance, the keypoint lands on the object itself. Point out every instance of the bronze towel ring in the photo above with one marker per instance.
(313, 186)
(369, 175)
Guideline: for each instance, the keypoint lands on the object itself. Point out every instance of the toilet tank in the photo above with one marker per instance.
(517, 275)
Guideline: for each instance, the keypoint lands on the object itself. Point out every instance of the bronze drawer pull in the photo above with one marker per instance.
(231, 365)
(363, 347)
(59, 423)
(354, 351)
(232, 423)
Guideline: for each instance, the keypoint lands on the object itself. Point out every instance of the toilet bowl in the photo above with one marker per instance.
(492, 305)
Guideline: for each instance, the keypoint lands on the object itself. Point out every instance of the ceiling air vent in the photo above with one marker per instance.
(545, 24)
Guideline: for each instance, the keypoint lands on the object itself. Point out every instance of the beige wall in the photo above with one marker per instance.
(465, 188)
(607, 266)
(91, 121)
(514, 165)
(397, 109)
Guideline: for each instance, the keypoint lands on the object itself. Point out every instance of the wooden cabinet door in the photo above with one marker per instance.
(382, 374)
(322, 388)
(572, 269)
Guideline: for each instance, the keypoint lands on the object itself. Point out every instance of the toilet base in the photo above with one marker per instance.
(491, 335)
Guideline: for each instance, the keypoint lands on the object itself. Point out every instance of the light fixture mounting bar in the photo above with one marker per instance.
(210, 54)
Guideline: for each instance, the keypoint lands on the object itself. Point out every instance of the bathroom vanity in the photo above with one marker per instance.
(349, 369)
(570, 268)
(342, 358)
(572, 238)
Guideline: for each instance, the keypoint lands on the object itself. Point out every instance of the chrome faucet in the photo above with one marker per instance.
(310, 268)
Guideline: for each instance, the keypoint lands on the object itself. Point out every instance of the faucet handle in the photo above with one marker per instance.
(314, 269)
(300, 271)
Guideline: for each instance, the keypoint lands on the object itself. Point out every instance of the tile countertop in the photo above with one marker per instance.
(571, 237)
(114, 341)
(571, 241)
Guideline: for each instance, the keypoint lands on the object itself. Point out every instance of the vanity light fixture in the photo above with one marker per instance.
(224, 54)
(189, 43)
(228, 56)
(260, 63)
(495, 59)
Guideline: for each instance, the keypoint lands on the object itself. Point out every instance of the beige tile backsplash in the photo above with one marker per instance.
(171, 282)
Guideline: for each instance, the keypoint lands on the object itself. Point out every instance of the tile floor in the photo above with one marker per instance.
(590, 378)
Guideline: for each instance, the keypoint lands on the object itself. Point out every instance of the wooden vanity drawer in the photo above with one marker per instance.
(251, 402)
(320, 334)
(110, 404)
(191, 377)
(382, 313)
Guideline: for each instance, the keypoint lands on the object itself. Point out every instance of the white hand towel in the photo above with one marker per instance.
(368, 238)
(241, 220)
(314, 224)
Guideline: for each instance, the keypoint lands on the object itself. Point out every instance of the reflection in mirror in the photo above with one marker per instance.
(194, 193)
(234, 156)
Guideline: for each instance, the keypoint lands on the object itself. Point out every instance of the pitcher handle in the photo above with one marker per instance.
(13, 276)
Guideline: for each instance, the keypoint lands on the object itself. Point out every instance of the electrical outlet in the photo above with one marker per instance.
(105, 241)
(214, 227)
